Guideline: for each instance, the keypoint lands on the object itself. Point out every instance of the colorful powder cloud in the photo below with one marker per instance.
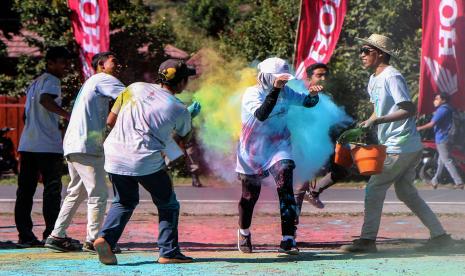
(219, 90)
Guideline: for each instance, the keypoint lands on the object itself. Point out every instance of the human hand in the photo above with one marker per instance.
(315, 89)
(194, 109)
(279, 82)
(371, 122)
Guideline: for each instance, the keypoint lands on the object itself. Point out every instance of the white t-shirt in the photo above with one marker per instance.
(386, 91)
(86, 129)
(262, 144)
(143, 127)
(41, 131)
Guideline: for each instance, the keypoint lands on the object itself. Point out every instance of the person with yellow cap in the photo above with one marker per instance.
(133, 156)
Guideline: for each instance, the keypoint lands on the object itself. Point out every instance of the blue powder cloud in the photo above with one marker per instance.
(309, 127)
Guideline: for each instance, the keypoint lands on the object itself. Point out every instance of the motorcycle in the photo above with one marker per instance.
(429, 163)
(8, 161)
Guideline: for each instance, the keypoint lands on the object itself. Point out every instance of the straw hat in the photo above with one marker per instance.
(381, 42)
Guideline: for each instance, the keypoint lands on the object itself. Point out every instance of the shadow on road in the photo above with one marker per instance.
(138, 263)
(388, 248)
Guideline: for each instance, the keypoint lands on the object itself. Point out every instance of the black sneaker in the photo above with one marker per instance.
(88, 247)
(196, 181)
(30, 243)
(116, 250)
(62, 244)
(74, 240)
(288, 247)
(360, 246)
(244, 243)
(69, 238)
(179, 258)
(437, 244)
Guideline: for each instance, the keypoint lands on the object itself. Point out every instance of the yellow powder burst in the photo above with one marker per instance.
(219, 90)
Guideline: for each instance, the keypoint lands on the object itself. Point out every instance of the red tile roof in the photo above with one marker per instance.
(17, 45)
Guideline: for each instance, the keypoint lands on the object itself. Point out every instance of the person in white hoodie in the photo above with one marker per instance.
(83, 149)
(265, 148)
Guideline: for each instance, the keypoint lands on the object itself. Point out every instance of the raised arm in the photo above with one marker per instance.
(267, 106)
(306, 100)
(48, 102)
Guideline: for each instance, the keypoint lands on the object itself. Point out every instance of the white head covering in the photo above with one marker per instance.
(270, 69)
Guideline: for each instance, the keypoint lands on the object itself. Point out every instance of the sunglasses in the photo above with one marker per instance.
(366, 50)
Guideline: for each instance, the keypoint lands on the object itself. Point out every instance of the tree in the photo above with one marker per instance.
(398, 19)
(267, 29)
(48, 21)
(131, 22)
(9, 23)
(131, 27)
(209, 15)
(264, 28)
(250, 29)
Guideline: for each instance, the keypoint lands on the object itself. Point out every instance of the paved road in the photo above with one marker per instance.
(309, 262)
(224, 200)
(211, 240)
(269, 194)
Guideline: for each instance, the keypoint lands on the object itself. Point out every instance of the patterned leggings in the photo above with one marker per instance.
(251, 186)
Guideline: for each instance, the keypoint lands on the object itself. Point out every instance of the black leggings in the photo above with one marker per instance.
(251, 186)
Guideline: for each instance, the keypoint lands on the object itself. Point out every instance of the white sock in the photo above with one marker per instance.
(244, 232)
(285, 238)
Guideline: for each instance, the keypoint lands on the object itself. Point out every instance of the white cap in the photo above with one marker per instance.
(276, 66)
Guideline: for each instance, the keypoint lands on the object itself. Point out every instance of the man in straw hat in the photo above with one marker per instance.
(394, 120)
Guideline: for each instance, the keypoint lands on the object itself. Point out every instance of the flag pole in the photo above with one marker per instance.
(296, 35)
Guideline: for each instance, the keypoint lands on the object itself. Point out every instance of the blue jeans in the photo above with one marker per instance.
(126, 189)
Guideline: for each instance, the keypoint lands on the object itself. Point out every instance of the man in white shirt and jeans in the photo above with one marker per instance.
(83, 149)
(41, 149)
(133, 156)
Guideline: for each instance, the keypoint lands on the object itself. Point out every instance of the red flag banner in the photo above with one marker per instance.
(442, 53)
(91, 30)
(319, 28)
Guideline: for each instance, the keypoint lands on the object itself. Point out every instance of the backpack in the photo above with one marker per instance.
(457, 131)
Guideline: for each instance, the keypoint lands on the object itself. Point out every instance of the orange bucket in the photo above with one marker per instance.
(342, 156)
(369, 159)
